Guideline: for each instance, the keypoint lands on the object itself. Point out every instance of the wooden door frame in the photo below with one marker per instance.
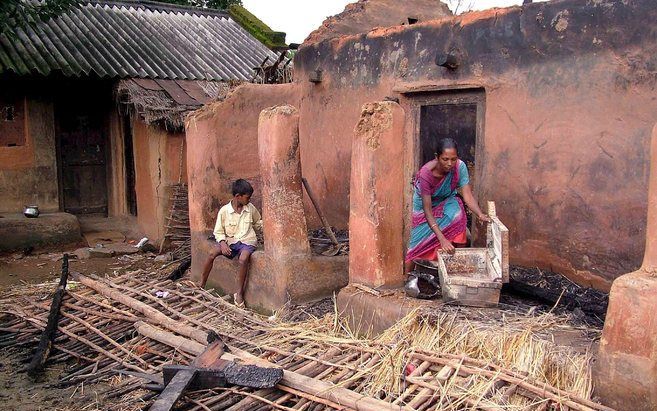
(60, 164)
(412, 103)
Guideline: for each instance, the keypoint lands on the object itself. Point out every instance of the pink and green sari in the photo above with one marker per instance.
(447, 209)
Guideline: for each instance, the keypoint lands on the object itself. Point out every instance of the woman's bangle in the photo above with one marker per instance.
(433, 225)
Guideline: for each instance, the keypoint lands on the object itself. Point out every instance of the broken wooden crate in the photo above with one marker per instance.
(474, 276)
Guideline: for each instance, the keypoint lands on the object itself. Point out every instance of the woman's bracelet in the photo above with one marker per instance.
(433, 225)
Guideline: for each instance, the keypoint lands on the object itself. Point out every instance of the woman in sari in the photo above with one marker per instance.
(439, 219)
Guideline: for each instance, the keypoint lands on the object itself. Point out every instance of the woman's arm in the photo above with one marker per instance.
(445, 244)
(471, 202)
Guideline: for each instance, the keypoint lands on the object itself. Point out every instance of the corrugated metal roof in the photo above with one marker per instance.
(135, 39)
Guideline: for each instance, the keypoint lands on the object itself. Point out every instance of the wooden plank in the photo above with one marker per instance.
(177, 93)
(174, 390)
(497, 238)
(205, 378)
(194, 90)
(147, 84)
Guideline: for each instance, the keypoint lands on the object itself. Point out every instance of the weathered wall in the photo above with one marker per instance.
(28, 173)
(223, 146)
(157, 166)
(569, 102)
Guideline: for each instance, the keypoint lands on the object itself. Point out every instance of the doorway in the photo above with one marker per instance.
(457, 114)
(81, 129)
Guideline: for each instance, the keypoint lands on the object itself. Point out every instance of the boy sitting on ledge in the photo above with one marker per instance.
(235, 235)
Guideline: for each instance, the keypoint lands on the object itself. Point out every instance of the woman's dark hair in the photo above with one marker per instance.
(241, 187)
(444, 144)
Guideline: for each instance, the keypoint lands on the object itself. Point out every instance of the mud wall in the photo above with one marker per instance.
(569, 102)
(157, 166)
(223, 146)
(28, 173)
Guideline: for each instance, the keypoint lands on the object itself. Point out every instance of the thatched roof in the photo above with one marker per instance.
(166, 102)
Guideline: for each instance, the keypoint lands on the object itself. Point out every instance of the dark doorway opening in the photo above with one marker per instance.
(459, 115)
(82, 140)
(131, 193)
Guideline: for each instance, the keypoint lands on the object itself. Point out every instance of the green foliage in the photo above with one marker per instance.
(17, 14)
(257, 27)
(210, 4)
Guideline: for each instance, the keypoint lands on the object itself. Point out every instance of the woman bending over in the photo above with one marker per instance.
(439, 219)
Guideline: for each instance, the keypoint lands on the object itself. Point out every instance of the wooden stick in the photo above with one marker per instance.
(313, 200)
(45, 344)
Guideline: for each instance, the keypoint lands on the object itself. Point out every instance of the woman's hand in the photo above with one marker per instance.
(468, 198)
(447, 246)
(484, 218)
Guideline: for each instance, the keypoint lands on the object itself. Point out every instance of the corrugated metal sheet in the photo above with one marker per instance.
(135, 39)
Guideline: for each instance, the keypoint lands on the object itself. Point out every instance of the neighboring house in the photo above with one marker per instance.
(92, 104)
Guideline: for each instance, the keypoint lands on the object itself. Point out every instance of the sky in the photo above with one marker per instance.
(300, 17)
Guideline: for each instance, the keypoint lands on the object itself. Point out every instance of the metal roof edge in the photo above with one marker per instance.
(159, 6)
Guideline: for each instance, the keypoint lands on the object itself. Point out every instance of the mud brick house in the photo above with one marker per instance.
(553, 104)
(93, 101)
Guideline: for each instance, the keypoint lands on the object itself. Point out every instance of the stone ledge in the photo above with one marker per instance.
(18, 231)
(305, 278)
(368, 314)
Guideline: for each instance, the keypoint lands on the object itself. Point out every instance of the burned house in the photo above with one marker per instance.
(553, 104)
(93, 103)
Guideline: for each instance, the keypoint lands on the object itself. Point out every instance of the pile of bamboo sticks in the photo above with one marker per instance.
(177, 236)
(122, 328)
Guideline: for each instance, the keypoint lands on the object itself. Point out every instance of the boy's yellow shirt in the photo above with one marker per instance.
(234, 227)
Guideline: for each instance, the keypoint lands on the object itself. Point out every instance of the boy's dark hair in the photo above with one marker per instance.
(241, 187)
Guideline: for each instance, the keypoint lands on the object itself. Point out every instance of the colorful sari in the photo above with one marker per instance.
(447, 209)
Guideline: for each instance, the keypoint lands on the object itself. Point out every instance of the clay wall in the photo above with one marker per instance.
(157, 166)
(223, 145)
(569, 92)
(28, 173)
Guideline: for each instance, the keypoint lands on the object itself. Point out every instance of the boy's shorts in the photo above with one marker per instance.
(237, 248)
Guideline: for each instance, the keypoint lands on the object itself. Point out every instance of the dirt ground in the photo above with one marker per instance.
(17, 390)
